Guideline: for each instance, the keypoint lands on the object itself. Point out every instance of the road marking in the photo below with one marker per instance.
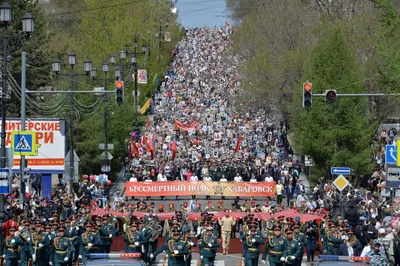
(194, 262)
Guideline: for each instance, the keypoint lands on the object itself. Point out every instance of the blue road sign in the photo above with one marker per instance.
(391, 154)
(4, 181)
(24, 142)
(340, 170)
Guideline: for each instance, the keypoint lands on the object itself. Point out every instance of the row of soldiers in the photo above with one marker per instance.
(57, 244)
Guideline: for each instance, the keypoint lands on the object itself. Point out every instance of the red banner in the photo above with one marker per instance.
(179, 188)
(179, 125)
(217, 214)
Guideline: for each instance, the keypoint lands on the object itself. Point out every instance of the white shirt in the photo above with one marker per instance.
(223, 180)
(194, 178)
(207, 178)
(279, 189)
(350, 250)
(148, 181)
(133, 179)
(253, 180)
(269, 179)
(238, 179)
(163, 178)
(365, 250)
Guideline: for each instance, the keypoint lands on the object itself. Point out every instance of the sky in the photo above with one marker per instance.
(198, 13)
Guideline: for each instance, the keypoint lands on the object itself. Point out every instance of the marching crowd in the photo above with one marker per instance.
(198, 134)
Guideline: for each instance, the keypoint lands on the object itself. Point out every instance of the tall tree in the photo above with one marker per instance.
(338, 133)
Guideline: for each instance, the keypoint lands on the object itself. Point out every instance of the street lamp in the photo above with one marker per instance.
(87, 67)
(28, 26)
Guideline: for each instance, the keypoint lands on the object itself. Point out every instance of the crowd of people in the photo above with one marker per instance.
(198, 134)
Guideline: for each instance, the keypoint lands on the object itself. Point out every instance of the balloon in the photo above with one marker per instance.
(98, 178)
(108, 182)
(84, 176)
(62, 181)
(104, 181)
(92, 178)
(105, 176)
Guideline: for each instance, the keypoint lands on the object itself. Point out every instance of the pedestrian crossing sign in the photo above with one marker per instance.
(24, 143)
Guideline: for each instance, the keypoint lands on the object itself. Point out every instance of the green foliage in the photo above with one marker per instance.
(34, 44)
(339, 133)
(101, 30)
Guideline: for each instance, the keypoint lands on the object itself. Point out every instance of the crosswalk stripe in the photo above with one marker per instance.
(194, 263)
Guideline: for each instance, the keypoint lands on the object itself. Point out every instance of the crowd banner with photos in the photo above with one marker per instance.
(179, 125)
(142, 76)
(178, 188)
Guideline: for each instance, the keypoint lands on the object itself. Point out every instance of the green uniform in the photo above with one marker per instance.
(107, 232)
(276, 247)
(25, 253)
(292, 252)
(10, 250)
(134, 241)
(72, 234)
(176, 251)
(189, 244)
(39, 249)
(334, 240)
(88, 243)
(61, 251)
(252, 248)
(208, 249)
(303, 242)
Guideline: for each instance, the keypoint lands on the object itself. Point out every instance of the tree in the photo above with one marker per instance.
(338, 133)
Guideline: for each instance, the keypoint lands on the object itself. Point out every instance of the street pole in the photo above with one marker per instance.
(3, 131)
(136, 93)
(159, 44)
(106, 121)
(71, 128)
(23, 117)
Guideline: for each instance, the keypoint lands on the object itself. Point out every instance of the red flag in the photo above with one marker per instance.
(173, 148)
(147, 123)
(135, 149)
(238, 144)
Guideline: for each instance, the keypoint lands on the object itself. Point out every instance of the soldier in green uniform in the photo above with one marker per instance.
(276, 246)
(61, 251)
(175, 249)
(303, 242)
(251, 246)
(134, 240)
(10, 248)
(72, 234)
(88, 243)
(189, 244)
(198, 207)
(333, 239)
(39, 247)
(208, 248)
(25, 254)
(292, 249)
(107, 232)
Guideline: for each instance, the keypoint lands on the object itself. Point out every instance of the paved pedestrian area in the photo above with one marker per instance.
(224, 260)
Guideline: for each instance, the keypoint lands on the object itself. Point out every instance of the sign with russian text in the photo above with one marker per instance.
(142, 76)
(50, 140)
(178, 188)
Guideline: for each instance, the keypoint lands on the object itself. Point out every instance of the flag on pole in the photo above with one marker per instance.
(135, 149)
(238, 144)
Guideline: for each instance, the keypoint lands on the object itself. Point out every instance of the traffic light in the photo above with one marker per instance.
(119, 92)
(307, 94)
(331, 96)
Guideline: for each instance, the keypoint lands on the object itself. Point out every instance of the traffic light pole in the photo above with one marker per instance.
(357, 94)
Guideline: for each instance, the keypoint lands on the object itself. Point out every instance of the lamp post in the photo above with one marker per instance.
(56, 67)
(159, 35)
(106, 69)
(28, 26)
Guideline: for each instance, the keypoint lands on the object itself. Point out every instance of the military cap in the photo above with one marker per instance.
(296, 226)
(47, 226)
(210, 228)
(61, 228)
(134, 225)
(277, 228)
(89, 225)
(289, 231)
(281, 217)
(12, 228)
